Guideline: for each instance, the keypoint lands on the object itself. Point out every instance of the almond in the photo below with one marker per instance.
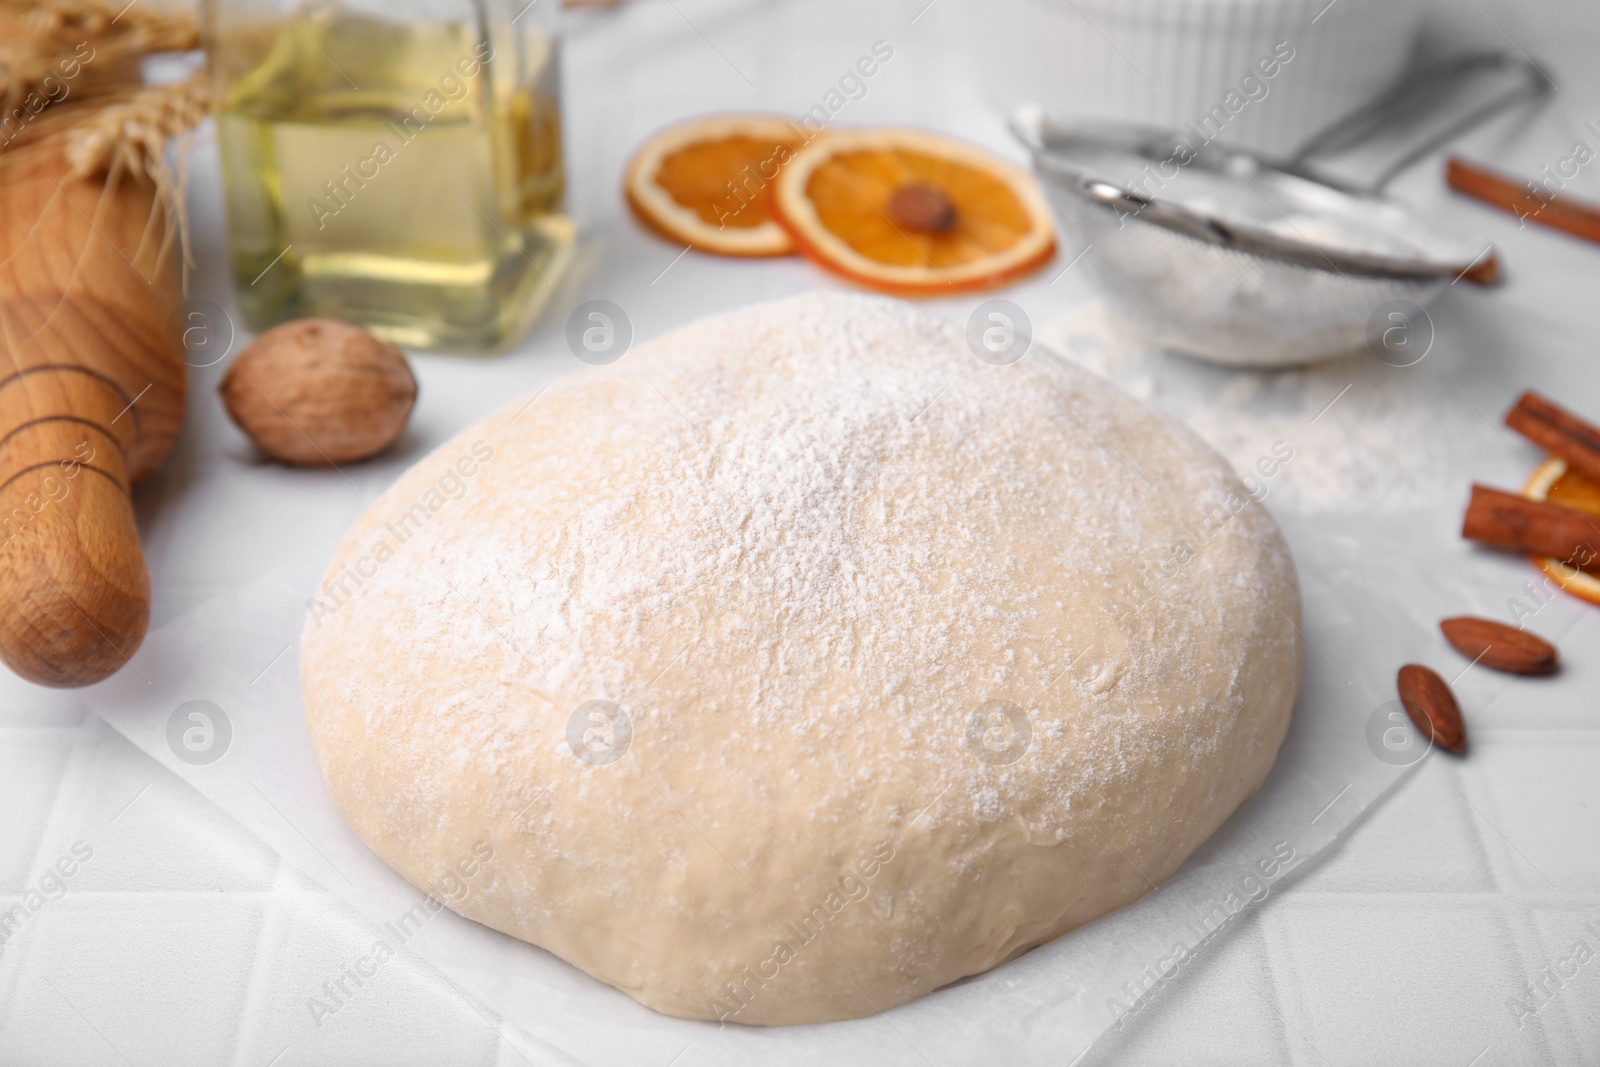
(1505, 648)
(1432, 706)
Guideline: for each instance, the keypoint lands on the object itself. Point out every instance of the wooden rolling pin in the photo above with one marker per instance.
(91, 400)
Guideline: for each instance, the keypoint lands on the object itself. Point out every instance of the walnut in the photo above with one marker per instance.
(317, 392)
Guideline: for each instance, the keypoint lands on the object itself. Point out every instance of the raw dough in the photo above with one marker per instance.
(920, 661)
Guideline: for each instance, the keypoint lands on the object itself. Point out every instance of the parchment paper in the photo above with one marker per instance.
(1347, 746)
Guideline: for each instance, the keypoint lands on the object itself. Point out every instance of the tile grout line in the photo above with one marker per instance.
(277, 899)
(1290, 977)
(12, 965)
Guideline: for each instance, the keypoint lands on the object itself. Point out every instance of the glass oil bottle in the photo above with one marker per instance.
(397, 164)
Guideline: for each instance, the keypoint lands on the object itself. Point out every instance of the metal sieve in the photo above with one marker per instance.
(1237, 259)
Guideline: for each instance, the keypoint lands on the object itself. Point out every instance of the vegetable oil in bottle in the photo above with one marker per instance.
(407, 176)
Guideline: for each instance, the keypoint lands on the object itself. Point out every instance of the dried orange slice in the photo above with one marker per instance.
(704, 183)
(1558, 485)
(913, 213)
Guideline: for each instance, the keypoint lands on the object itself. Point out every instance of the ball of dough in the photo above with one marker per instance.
(801, 662)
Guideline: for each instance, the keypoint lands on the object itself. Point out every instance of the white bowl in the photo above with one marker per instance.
(1170, 63)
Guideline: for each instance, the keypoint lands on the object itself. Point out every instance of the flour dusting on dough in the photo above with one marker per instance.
(801, 544)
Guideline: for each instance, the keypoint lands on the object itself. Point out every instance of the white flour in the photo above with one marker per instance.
(1367, 436)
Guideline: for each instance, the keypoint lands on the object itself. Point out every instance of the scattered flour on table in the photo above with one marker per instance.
(1366, 436)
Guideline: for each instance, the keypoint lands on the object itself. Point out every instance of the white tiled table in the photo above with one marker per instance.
(183, 940)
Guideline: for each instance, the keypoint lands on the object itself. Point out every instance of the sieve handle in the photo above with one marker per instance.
(1363, 124)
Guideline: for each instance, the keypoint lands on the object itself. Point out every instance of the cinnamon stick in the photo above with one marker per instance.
(1486, 271)
(1558, 431)
(1553, 210)
(1506, 520)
